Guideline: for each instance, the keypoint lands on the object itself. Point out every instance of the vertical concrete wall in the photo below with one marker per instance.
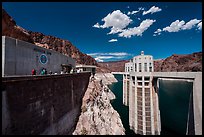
(197, 103)
(130, 104)
(142, 105)
(42, 104)
(20, 57)
(3, 55)
(126, 83)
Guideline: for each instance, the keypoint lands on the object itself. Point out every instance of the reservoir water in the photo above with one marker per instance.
(173, 104)
(123, 111)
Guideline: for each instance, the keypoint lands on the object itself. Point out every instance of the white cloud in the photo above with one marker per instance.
(175, 26)
(157, 32)
(141, 8)
(105, 57)
(97, 25)
(135, 11)
(144, 25)
(132, 12)
(190, 24)
(152, 10)
(113, 40)
(101, 57)
(199, 25)
(181, 25)
(110, 53)
(99, 60)
(116, 21)
(115, 30)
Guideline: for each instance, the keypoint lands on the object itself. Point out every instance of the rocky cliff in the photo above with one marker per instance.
(62, 46)
(11, 29)
(98, 116)
(178, 63)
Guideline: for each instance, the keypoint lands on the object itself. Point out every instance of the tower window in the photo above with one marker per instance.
(140, 67)
(145, 67)
(135, 67)
(146, 78)
(150, 67)
(139, 78)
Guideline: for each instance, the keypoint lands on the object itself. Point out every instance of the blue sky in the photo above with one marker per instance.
(111, 31)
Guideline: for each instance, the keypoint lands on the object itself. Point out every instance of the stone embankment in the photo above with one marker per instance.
(98, 116)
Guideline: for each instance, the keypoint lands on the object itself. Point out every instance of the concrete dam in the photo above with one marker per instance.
(46, 105)
(141, 94)
(173, 84)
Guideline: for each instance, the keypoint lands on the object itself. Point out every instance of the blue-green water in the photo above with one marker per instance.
(173, 105)
(123, 111)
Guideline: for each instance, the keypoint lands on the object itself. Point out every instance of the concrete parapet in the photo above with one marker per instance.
(42, 104)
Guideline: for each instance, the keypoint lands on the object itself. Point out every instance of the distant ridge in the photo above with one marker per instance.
(176, 63)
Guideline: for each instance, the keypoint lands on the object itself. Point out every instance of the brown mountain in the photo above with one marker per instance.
(181, 63)
(11, 29)
(112, 66)
(177, 63)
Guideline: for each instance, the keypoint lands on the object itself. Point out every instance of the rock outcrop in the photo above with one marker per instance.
(11, 29)
(98, 116)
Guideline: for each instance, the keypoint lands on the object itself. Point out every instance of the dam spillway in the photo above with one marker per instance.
(174, 100)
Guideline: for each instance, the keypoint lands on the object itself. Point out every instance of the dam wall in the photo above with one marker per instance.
(48, 105)
(195, 113)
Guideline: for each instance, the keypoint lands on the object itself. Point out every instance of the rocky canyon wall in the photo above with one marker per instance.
(98, 116)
